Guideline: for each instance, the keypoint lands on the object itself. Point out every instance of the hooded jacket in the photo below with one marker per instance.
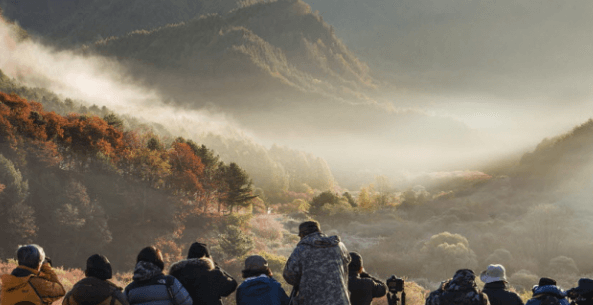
(261, 290)
(364, 288)
(460, 290)
(93, 291)
(45, 282)
(499, 294)
(150, 287)
(319, 267)
(541, 292)
(205, 282)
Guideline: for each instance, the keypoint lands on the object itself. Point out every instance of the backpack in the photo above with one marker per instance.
(166, 280)
(25, 294)
(549, 300)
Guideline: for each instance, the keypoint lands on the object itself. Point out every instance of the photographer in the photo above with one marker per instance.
(546, 292)
(496, 287)
(34, 280)
(460, 290)
(363, 287)
(583, 294)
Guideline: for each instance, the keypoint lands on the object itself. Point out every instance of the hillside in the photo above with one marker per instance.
(253, 54)
(75, 22)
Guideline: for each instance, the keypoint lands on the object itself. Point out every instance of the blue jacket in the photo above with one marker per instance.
(152, 287)
(261, 290)
(540, 292)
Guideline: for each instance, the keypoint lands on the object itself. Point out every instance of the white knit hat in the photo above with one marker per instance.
(494, 273)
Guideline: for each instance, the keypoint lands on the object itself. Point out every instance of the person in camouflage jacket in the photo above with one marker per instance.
(460, 290)
(319, 268)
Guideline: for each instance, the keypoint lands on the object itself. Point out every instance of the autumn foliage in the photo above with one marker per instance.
(83, 184)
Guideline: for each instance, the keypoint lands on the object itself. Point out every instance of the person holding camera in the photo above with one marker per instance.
(546, 292)
(95, 288)
(204, 280)
(363, 287)
(259, 287)
(460, 290)
(496, 287)
(583, 294)
(318, 268)
(33, 281)
(150, 286)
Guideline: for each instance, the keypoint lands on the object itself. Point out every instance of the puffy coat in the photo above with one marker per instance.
(319, 267)
(93, 291)
(363, 288)
(541, 292)
(45, 282)
(151, 287)
(205, 282)
(460, 290)
(498, 294)
(261, 290)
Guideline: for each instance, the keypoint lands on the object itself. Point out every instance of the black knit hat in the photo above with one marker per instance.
(98, 266)
(198, 250)
(308, 227)
(546, 281)
(355, 263)
(151, 255)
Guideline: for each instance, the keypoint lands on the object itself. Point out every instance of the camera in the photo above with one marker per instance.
(395, 284)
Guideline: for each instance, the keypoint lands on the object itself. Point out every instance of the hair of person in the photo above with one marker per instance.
(152, 255)
(30, 256)
(308, 227)
(355, 263)
(198, 250)
(252, 273)
(98, 266)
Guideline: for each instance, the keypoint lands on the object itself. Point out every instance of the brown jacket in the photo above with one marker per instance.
(45, 282)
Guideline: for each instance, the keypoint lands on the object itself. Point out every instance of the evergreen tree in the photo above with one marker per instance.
(234, 242)
(239, 187)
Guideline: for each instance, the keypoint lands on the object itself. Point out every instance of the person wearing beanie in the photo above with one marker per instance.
(497, 288)
(95, 288)
(583, 293)
(150, 286)
(459, 290)
(546, 292)
(34, 271)
(259, 287)
(318, 268)
(363, 287)
(204, 280)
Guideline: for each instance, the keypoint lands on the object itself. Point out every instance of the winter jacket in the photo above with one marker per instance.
(498, 294)
(460, 290)
(261, 290)
(205, 282)
(45, 282)
(93, 291)
(319, 267)
(364, 288)
(151, 287)
(541, 292)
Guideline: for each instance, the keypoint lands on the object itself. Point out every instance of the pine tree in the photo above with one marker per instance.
(234, 242)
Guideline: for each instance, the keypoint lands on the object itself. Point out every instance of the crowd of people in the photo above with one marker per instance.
(320, 269)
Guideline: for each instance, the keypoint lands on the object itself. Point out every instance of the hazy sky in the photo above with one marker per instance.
(491, 63)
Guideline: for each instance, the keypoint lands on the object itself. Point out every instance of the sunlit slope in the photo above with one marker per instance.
(564, 161)
(76, 22)
(268, 49)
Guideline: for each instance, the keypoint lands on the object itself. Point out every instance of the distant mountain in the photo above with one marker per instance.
(77, 21)
(260, 53)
